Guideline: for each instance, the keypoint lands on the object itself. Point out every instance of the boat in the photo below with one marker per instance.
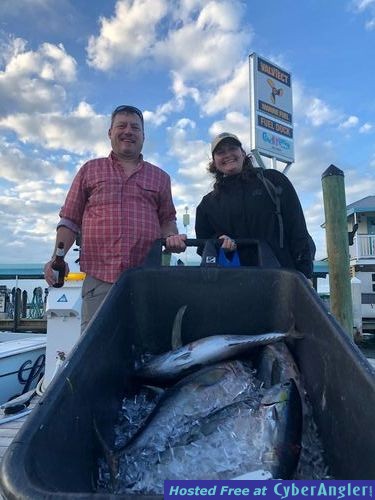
(22, 351)
(58, 314)
(22, 359)
(56, 451)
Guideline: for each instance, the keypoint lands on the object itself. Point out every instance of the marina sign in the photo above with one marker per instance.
(271, 110)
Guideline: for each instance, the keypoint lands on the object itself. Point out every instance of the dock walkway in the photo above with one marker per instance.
(9, 430)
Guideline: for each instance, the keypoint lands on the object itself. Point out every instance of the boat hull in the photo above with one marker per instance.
(21, 363)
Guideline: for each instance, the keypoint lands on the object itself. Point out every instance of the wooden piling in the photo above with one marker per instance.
(333, 185)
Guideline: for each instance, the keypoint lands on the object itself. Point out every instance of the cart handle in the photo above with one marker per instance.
(266, 257)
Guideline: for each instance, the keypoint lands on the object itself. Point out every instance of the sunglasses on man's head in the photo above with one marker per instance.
(127, 109)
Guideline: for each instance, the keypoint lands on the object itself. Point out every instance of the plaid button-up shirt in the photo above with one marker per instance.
(118, 215)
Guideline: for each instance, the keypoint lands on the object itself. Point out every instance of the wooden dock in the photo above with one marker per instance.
(9, 430)
(24, 325)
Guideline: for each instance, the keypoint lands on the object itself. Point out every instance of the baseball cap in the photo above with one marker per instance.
(221, 137)
(125, 108)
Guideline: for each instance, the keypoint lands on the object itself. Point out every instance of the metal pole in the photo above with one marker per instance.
(186, 222)
(17, 309)
(286, 168)
(257, 159)
(337, 247)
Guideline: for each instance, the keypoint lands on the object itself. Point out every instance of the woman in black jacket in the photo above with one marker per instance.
(249, 202)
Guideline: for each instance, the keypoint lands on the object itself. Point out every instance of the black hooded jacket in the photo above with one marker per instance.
(241, 207)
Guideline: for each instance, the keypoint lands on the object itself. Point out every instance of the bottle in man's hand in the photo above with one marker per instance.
(58, 266)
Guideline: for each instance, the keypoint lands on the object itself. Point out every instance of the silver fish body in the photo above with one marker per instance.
(209, 350)
(275, 364)
(284, 402)
(195, 396)
(242, 437)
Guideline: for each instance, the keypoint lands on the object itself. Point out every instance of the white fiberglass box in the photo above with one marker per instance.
(63, 311)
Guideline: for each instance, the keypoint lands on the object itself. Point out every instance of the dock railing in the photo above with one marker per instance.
(363, 247)
(20, 315)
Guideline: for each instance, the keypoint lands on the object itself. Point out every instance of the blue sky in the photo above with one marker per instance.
(64, 65)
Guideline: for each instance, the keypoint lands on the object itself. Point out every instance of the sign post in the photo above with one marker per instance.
(271, 111)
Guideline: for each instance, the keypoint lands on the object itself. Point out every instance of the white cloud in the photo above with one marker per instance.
(156, 117)
(79, 132)
(215, 38)
(368, 6)
(10, 48)
(319, 112)
(311, 108)
(181, 90)
(358, 188)
(28, 219)
(18, 167)
(176, 104)
(361, 5)
(159, 116)
(184, 9)
(366, 128)
(233, 94)
(34, 80)
(193, 157)
(235, 123)
(129, 35)
(350, 122)
(50, 61)
(199, 39)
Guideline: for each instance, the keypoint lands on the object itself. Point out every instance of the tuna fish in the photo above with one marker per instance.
(195, 396)
(173, 364)
(237, 439)
(276, 364)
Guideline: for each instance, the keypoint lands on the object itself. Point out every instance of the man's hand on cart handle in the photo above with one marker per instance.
(175, 243)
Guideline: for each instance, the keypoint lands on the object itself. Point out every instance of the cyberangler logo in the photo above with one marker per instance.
(275, 141)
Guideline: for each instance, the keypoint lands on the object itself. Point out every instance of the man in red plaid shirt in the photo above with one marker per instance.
(120, 205)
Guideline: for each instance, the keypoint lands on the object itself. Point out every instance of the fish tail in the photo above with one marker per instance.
(112, 457)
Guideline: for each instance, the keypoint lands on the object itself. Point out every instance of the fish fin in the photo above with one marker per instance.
(176, 330)
(159, 391)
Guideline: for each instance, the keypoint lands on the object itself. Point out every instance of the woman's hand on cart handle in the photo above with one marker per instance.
(228, 244)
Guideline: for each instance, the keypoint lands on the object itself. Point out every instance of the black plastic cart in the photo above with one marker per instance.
(55, 453)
